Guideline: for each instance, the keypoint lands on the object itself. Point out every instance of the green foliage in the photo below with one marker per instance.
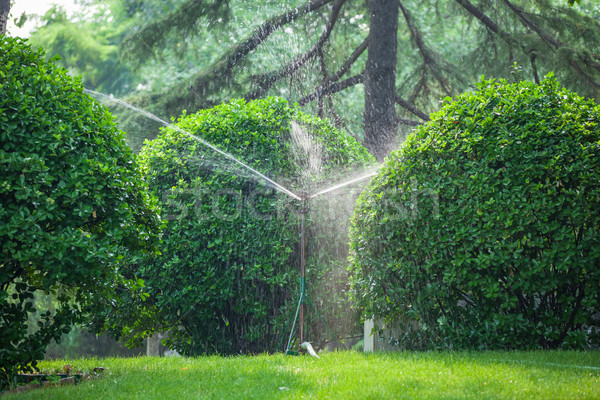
(87, 46)
(230, 253)
(483, 230)
(72, 202)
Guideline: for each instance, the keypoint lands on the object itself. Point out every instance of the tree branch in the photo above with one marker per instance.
(137, 45)
(335, 77)
(411, 107)
(588, 78)
(265, 30)
(337, 119)
(417, 89)
(321, 57)
(268, 80)
(221, 70)
(570, 324)
(408, 122)
(431, 60)
(528, 23)
(477, 13)
(553, 43)
(416, 35)
(346, 67)
(333, 88)
(428, 58)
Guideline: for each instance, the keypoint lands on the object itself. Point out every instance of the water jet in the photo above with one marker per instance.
(303, 198)
(199, 139)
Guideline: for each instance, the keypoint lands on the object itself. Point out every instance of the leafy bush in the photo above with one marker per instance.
(229, 264)
(483, 230)
(72, 202)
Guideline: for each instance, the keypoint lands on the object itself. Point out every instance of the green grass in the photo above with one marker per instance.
(343, 375)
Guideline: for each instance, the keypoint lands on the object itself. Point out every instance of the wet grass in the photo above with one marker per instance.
(343, 375)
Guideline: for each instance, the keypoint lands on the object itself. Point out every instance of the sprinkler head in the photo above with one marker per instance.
(303, 198)
(308, 347)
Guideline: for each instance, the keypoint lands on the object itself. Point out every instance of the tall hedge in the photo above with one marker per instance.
(72, 203)
(228, 272)
(483, 230)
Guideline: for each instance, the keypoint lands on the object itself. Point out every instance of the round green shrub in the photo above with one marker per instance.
(228, 272)
(483, 230)
(72, 202)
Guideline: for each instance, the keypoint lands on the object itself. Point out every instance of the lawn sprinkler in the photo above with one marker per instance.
(303, 297)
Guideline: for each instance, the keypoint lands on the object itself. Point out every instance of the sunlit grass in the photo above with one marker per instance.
(343, 375)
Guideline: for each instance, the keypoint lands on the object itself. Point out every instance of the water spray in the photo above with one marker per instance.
(341, 185)
(303, 297)
(199, 139)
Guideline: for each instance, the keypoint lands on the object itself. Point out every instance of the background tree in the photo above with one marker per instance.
(88, 45)
(380, 78)
(192, 54)
(444, 48)
(72, 203)
(4, 12)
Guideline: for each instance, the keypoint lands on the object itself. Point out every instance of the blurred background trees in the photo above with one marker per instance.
(167, 56)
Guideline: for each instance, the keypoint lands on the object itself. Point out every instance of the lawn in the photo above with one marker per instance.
(338, 375)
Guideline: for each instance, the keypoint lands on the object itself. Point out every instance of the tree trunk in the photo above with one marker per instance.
(380, 78)
(4, 11)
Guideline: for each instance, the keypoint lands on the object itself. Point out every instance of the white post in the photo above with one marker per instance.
(369, 341)
(153, 345)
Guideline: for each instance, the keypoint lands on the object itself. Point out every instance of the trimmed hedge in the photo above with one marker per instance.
(72, 202)
(483, 230)
(229, 265)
